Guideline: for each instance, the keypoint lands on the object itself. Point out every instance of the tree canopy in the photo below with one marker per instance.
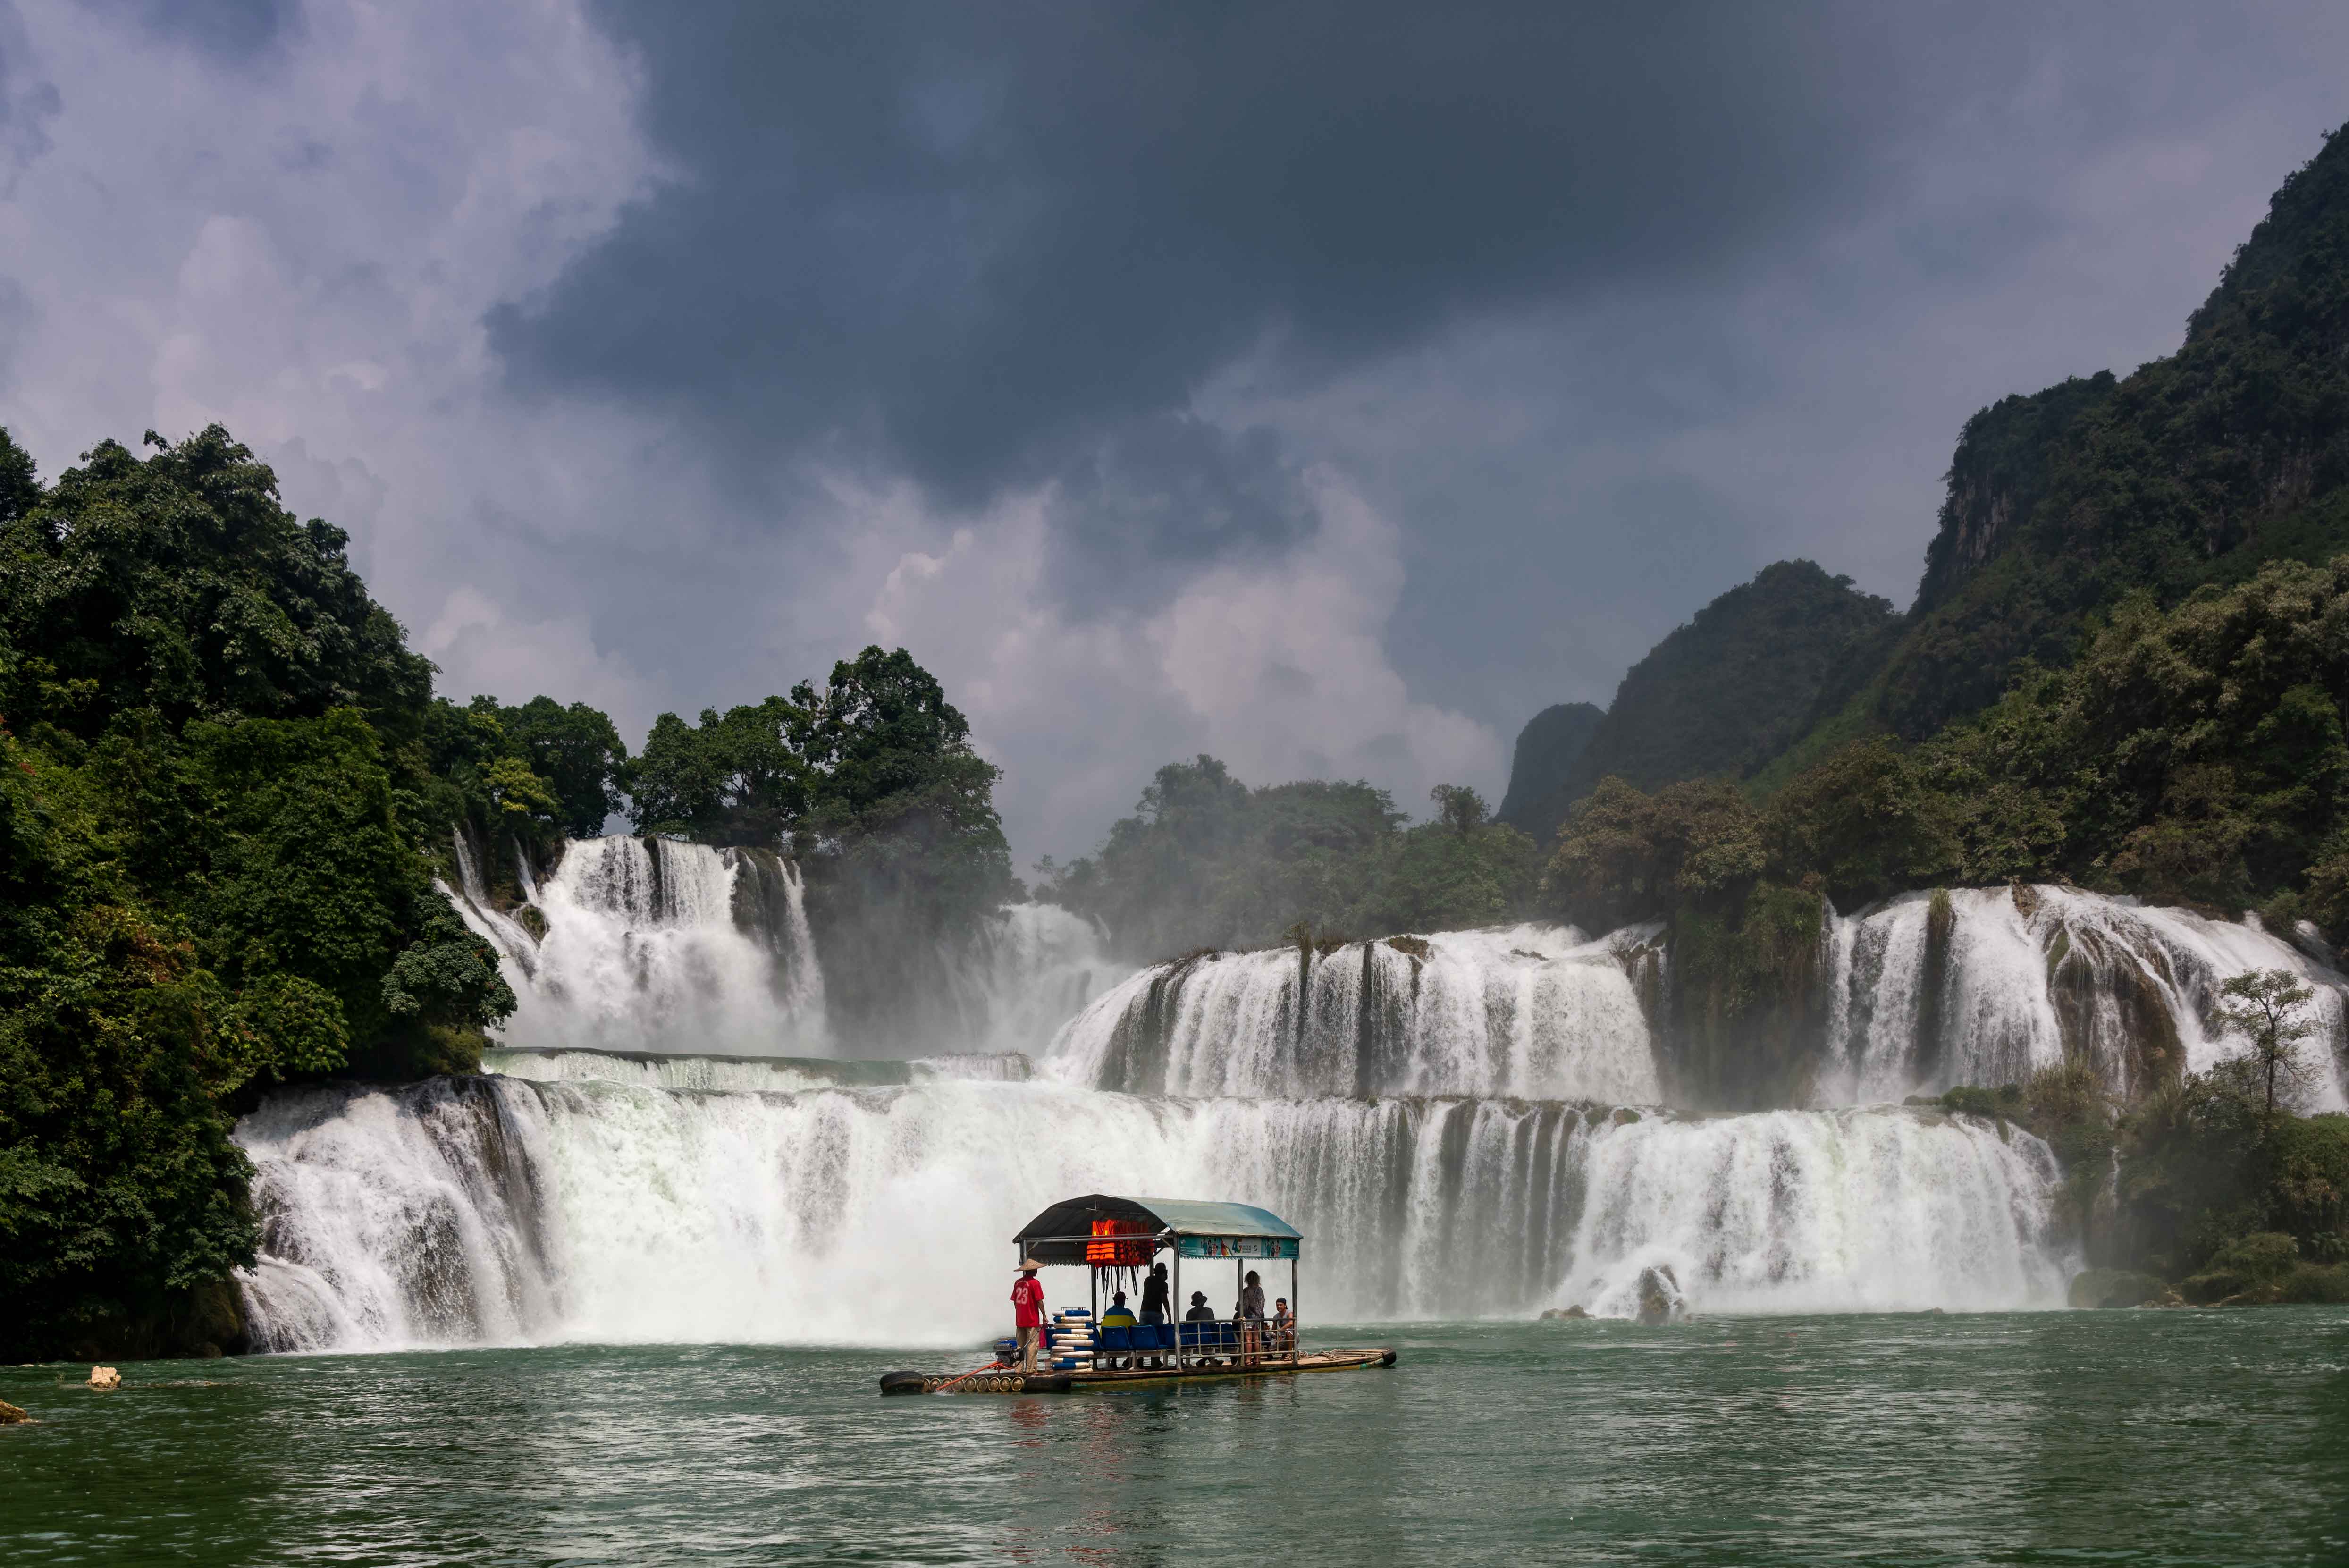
(1207, 861)
(212, 795)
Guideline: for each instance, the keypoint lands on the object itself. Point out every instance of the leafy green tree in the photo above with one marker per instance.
(1624, 854)
(179, 585)
(211, 790)
(739, 777)
(2264, 1006)
(20, 484)
(892, 765)
(577, 754)
(1458, 808)
(1862, 824)
(1207, 861)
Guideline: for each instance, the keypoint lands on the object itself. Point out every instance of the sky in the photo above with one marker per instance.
(1325, 387)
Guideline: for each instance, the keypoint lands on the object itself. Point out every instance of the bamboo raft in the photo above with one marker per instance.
(1113, 1240)
(1008, 1380)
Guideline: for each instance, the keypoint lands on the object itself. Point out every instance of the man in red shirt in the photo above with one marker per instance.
(1028, 1312)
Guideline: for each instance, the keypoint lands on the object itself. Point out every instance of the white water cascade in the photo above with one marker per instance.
(664, 1150)
(2024, 978)
(651, 945)
(1534, 1011)
(496, 1209)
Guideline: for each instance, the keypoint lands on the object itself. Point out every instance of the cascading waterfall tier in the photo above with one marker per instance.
(1534, 1011)
(1027, 970)
(2003, 982)
(1430, 1110)
(651, 945)
(471, 1210)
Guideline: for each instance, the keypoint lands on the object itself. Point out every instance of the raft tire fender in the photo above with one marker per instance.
(903, 1383)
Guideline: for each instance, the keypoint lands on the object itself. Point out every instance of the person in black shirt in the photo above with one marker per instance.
(1154, 1294)
(1202, 1313)
(1154, 1302)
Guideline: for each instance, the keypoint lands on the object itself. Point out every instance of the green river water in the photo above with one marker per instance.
(2080, 1437)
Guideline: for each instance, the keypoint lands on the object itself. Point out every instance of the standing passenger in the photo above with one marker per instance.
(1154, 1294)
(1027, 1313)
(1154, 1303)
(1250, 1312)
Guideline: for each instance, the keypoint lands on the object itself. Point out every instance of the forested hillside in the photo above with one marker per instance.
(1548, 747)
(2195, 471)
(1733, 689)
(214, 788)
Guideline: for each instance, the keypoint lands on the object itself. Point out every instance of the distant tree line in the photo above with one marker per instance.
(1209, 861)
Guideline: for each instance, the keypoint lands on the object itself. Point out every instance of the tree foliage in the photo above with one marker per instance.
(2264, 1006)
(212, 786)
(872, 781)
(1207, 861)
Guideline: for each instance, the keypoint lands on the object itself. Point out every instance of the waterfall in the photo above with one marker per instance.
(777, 1075)
(651, 945)
(517, 948)
(2020, 979)
(498, 1209)
(664, 1149)
(1533, 1011)
(1028, 968)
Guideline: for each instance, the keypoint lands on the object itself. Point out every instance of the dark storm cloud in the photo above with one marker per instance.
(1165, 490)
(225, 29)
(968, 243)
(27, 101)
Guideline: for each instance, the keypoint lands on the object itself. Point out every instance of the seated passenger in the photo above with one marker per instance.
(1202, 1313)
(1119, 1315)
(1284, 1327)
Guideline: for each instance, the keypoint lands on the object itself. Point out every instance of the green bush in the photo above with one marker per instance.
(2258, 1258)
(2315, 1282)
(1972, 1099)
(2212, 1286)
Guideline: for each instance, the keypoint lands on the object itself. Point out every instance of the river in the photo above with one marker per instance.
(2142, 1436)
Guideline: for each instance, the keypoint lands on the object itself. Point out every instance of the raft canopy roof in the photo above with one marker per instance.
(1198, 1228)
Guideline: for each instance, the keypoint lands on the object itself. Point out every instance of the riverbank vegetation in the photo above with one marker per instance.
(214, 783)
(2209, 1189)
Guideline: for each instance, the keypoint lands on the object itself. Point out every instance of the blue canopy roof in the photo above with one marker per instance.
(1181, 1217)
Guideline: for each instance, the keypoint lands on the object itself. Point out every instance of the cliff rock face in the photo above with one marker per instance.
(1727, 692)
(2198, 468)
(1549, 745)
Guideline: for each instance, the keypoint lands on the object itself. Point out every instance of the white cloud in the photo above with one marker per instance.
(304, 249)
(559, 657)
(1278, 668)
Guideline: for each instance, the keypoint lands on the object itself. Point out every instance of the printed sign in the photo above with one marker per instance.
(1239, 1246)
